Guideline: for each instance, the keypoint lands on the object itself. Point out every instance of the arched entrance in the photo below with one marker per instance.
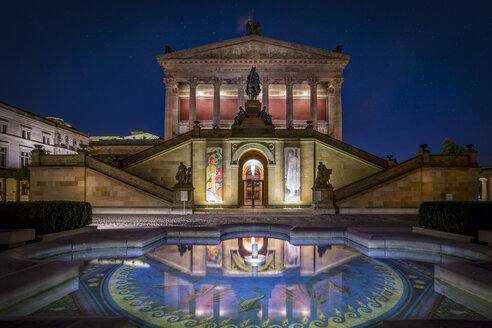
(253, 177)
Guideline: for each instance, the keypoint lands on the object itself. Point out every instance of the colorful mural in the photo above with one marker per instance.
(292, 169)
(214, 175)
(214, 255)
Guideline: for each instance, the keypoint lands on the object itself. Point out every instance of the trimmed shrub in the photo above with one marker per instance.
(464, 218)
(46, 216)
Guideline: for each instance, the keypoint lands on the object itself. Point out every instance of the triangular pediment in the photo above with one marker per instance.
(254, 47)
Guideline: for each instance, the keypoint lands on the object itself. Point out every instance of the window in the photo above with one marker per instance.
(66, 140)
(24, 188)
(46, 139)
(3, 156)
(26, 134)
(25, 158)
(3, 129)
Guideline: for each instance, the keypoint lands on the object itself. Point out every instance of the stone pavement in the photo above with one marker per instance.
(303, 219)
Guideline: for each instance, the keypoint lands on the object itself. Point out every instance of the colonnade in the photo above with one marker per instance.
(334, 104)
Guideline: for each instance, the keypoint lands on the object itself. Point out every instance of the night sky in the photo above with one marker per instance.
(420, 71)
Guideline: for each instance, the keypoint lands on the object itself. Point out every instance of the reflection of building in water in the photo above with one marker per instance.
(212, 280)
(229, 257)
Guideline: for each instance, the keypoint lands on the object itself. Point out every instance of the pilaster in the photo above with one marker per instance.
(171, 109)
(336, 84)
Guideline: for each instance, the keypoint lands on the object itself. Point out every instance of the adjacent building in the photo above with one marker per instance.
(20, 133)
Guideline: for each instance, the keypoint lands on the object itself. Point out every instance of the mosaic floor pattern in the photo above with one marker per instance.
(170, 288)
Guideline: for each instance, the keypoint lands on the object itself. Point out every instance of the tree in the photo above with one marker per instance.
(23, 174)
(451, 148)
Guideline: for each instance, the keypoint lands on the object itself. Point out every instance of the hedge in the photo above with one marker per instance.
(464, 218)
(46, 216)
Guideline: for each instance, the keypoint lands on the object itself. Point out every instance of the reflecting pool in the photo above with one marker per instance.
(297, 286)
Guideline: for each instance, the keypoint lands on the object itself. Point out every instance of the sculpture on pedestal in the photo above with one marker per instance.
(240, 116)
(323, 178)
(263, 114)
(253, 28)
(183, 175)
(253, 86)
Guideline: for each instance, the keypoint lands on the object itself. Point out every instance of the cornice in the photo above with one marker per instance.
(252, 47)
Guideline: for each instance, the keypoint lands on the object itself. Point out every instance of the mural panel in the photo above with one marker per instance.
(214, 175)
(292, 171)
(214, 255)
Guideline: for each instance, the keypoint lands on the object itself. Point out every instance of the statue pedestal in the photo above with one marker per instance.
(253, 126)
(183, 199)
(323, 200)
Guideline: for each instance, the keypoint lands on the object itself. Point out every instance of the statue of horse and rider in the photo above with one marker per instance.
(253, 84)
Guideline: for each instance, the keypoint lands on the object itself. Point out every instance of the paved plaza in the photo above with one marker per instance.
(303, 219)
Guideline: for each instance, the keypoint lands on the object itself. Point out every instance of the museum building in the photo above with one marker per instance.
(251, 122)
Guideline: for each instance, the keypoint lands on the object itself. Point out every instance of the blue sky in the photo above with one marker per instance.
(420, 71)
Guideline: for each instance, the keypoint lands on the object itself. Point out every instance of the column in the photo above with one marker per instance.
(265, 84)
(240, 92)
(313, 84)
(171, 107)
(192, 108)
(337, 111)
(216, 82)
(176, 110)
(485, 194)
(3, 189)
(289, 108)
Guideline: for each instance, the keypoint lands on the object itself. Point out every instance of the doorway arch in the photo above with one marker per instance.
(253, 185)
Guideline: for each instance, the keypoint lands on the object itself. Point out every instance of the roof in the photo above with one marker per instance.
(254, 46)
(51, 121)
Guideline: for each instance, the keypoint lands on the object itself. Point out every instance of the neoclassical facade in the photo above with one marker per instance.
(298, 84)
(224, 149)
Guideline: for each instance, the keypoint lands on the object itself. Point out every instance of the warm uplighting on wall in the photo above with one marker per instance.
(132, 263)
(247, 242)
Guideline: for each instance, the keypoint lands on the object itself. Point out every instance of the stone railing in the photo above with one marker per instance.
(350, 149)
(129, 178)
(82, 159)
(170, 143)
(376, 179)
(57, 160)
(220, 133)
(423, 159)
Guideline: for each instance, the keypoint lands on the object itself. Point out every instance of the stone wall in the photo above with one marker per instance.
(420, 185)
(162, 169)
(85, 184)
(57, 183)
(345, 168)
(103, 191)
